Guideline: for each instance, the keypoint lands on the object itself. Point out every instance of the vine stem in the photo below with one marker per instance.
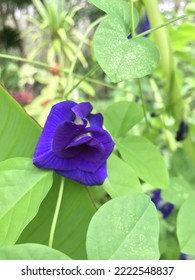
(64, 70)
(132, 18)
(133, 34)
(91, 198)
(89, 73)
(56, 213)
(142, 100)
(159, 26)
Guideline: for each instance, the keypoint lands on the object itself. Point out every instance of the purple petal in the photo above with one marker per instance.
(94, 151)
(64, 134)
(82, 110)
(50, 161)
(86, 178)
(104, 137)
(95, 120)
(59, 113)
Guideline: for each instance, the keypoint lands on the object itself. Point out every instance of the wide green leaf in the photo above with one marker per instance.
(125, 228)
(75, 214)
(121, 116)
(122, 58)
(122, 182)
(18, 131)
(31, 252)
(178, 191)
(22, 189)
(145, 160)
(186, 226)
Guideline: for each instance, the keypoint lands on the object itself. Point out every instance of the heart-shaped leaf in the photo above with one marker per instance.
(22, 189)
(118, 9)
(125, 228)
(122, 58)
(31, 252)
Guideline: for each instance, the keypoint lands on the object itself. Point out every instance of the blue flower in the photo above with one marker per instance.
(164, 207)
(74, 144)
(143, 26)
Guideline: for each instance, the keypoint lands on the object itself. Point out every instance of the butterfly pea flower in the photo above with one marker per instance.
(74, 144)
(164, 207)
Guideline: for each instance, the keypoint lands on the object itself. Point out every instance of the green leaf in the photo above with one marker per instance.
(125, 228)
(22, 189)
(179, 160)
(121, 116)
(177, 192)
(121, 178)
(186, 226)
(145, 160)
(31, 252)
(119, 9)
(122, 58)
(18, 132)
(190, 9)
(75, 214)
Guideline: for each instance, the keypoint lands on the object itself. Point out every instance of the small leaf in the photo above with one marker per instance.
(145, 160)
(125, 228)
(186, 226)
(121, 178)
(22, 189)
(31, 252)
(177, 192)
(122, 59)
(122, 116)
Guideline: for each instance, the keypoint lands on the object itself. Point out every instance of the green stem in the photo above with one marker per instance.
(167, 61)
(33, 62)
(64, 70)
(132, 18)
(56, 213)
(91, 198)
(142, 100)
(169, 69)
(92, 71)
(159, 26)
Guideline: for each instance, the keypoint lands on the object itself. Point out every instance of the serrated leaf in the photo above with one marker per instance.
(122, 179)
(125, 228)
(22, 189)
(186, 226)
(145, 160)
(122, 58)
(122, 116)
(31, 252)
